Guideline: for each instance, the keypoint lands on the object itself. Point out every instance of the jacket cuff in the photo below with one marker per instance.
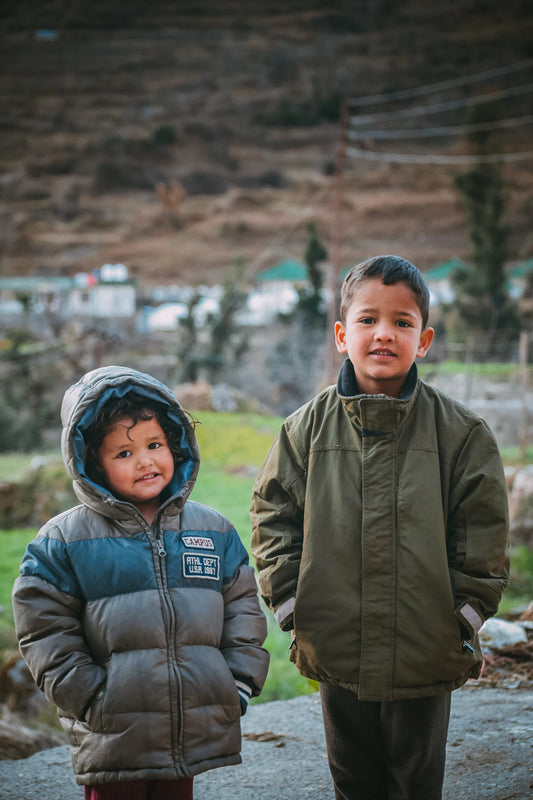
(245, 692)
(284, 614)
(470, 618)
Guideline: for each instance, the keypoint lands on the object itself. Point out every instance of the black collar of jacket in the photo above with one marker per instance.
(375, 415)
(347, 385)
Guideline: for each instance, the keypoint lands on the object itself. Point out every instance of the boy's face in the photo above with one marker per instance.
(382, 335)
(137, 463)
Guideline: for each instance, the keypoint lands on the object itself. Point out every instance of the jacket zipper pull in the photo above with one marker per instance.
(160, 548)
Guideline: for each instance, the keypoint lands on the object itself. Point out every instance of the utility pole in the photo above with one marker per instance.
(524, 383)
(332, 360)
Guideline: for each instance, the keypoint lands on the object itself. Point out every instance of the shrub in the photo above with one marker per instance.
(272, 178)
(43, 492)
(114, 175)
(203, 182)
(164, 135)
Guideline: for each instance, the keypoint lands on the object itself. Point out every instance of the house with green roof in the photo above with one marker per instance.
(290, 271)
(445, 270)
(518, 276)
(439, 280)
(276, 292)
(521, 270)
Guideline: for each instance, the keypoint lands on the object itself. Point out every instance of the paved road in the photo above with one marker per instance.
(490, 755)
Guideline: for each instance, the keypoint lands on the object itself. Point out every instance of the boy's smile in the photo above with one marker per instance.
(383, 335)
(137, 463)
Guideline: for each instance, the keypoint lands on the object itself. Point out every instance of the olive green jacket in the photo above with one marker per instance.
(380, 532)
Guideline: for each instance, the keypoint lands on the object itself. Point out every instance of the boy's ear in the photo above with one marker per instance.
(426, 337)
(340, 337)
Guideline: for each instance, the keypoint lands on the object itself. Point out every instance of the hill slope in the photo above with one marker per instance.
(180, 143)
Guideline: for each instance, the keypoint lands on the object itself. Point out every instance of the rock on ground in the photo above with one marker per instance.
(489, 755)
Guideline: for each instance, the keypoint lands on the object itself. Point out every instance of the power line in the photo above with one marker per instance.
(406, 158)
(403, 94)
(418, 111)
(276, 242)
(357, 152)
(443, 130)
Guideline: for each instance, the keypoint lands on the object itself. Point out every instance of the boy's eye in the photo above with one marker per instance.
(367, 320)
(124, 454)
(402, 323)
(154, 445)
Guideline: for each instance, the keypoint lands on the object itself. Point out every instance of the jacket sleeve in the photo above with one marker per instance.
(478, 530)
(245, 627)
(47, 613)
(277, 526)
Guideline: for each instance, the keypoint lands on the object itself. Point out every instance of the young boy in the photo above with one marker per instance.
(380, 536)
(137, 611)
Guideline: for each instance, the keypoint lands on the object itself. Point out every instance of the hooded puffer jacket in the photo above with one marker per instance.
(381, 538)
(139, 633)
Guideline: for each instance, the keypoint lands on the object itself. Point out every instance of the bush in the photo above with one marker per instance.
(272, 178)
(114, 175)
(521, 575)
(203, 182)
(43, 492)
(164, 135)
(201, 130)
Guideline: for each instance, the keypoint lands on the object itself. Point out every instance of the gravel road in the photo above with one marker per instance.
(490, 755)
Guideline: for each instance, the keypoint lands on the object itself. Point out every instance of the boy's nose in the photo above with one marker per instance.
(145, 458)
(384, 333)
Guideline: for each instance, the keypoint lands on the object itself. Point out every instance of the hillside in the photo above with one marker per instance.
(182, 143)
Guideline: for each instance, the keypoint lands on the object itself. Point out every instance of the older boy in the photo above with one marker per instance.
(380, 536)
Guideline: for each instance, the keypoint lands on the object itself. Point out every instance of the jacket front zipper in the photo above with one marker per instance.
(169, 618)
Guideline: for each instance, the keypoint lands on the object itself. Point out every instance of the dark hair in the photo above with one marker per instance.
(137, 408)
(391, 269)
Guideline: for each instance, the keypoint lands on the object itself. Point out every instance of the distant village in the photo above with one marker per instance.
(109, 293)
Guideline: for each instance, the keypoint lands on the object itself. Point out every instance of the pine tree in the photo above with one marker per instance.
(310, 299)
(482, 299)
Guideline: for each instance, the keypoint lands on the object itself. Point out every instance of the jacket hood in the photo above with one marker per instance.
(80, 405)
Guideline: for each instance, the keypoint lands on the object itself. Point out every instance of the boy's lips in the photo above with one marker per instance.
(150, 476)
(382, 352)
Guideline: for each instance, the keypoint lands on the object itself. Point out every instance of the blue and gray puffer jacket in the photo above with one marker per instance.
(141, 634)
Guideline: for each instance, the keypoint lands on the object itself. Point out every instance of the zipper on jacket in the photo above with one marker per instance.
(170, 623)
(161, 552)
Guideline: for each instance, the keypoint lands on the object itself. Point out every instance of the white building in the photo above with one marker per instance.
(108, 293)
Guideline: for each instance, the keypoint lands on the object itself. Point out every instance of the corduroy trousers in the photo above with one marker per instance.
(385, 750)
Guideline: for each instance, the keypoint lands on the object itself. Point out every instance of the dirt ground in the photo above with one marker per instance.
(489, 755)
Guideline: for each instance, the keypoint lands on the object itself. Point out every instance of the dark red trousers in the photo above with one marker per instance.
(385, 751)
(180, 789)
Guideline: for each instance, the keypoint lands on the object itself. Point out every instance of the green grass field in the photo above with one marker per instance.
(498, 370)
(232, 447)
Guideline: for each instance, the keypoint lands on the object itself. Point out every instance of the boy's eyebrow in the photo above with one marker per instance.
(125, 445)
(128, 442)
(373, 309)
